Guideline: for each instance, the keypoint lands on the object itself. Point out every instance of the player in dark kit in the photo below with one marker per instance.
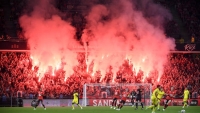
(40, 99)
(139, 98)
(133, 95)
(116, 96)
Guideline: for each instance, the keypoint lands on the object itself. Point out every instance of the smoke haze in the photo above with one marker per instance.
(126, 29)
(49, 37)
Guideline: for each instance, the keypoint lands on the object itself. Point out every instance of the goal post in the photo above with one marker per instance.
(101, 94)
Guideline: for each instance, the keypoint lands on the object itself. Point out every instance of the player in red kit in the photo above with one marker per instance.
(125, 94)
(169, 98)
(40, 99)
(115, 97)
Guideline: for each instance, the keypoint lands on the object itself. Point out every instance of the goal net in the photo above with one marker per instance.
(97, 94)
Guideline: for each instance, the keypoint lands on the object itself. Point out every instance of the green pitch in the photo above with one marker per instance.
(125, 109)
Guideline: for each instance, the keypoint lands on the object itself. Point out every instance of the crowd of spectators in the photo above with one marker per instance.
(182, 71)
(18, 74)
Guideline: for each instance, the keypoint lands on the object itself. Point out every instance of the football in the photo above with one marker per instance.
(34, 103)
(183, 111)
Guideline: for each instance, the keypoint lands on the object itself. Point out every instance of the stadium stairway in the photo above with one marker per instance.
(10, 28)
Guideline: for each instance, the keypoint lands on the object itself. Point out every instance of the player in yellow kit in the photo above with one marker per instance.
(75, 100)
(161, 93)
(186, 96)
(154, 99)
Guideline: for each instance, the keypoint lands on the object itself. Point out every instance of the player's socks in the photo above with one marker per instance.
(185, 104)
(43, 105)
(153, 109)
(112, 105)
(132, 103)
(120, 107)
(165, 106)
(72, 107)
(142, 105)
(158, 107)
(79, 105)
(136, 104)
(115, 105)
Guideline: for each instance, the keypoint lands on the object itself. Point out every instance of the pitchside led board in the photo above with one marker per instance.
(194, 102)
(22, 45)
(98, 102)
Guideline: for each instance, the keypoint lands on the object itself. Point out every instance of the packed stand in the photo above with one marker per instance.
(18, 74)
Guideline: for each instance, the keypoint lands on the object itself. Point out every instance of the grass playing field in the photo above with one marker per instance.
(125, 109)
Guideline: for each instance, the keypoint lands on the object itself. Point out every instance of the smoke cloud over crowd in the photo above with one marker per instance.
(48, 37)
(129, 30)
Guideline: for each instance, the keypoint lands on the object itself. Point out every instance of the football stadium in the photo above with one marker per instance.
(99, 56)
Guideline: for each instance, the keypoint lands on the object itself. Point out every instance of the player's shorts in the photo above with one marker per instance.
(122, 101)
(168, 101)
(75, 101)
(40, 100)
(159, 99)
(138, 99)
(132, 97)
(154, 100)
(185, 99)
(115, 98)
